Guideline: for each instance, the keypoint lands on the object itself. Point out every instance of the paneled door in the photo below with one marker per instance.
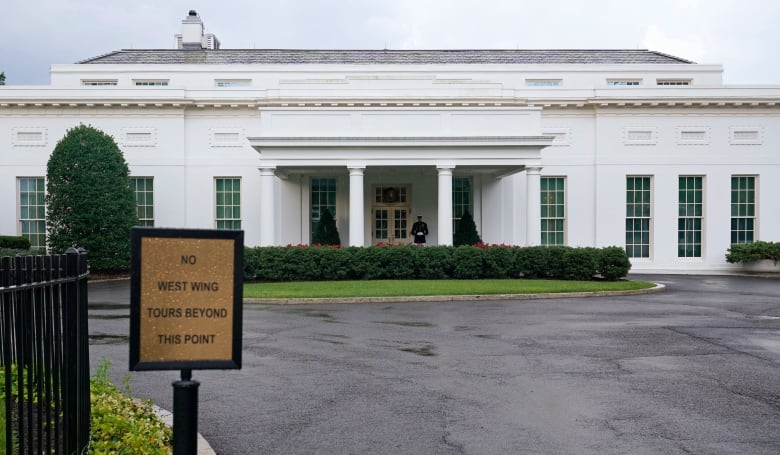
(391, 225)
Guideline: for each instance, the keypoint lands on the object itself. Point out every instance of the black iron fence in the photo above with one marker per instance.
(45, 353)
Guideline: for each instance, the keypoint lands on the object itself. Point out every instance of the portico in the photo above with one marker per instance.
(396, 152)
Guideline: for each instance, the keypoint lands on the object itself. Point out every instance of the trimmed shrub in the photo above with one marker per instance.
(14, 242)
(613, 263)
(432, 262)
(751, 252)
(311, 263)
(89, 202)
(466, 231)
(578, 264)
(469, 262)
(365, 264)
(498, 261)
(326, 233)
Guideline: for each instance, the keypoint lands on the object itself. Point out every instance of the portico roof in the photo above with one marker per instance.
(497, 156)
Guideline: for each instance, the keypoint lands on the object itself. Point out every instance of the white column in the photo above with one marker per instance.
(533, 214)
(267, 215)
(356, 212)
(445, 204)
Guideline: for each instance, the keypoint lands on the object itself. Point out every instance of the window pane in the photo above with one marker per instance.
(638, 211)
(553, 210)
(32, 211)
(743, 208)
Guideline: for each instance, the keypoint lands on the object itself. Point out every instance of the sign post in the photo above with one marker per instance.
(186, 294)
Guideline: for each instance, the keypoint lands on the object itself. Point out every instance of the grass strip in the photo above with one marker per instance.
(405, 288)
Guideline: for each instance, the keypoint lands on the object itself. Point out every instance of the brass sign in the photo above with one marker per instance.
(186, 294)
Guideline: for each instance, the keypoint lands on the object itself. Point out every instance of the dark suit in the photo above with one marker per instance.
(419, 231)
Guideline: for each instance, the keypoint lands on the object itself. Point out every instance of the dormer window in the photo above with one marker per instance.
(150, 82)
(543, 82)
(674, 82)
(233, 82)
(624, 82)
(98, 82)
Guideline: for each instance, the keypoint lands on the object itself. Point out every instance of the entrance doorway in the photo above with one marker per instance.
(391, 225)
(391, 209)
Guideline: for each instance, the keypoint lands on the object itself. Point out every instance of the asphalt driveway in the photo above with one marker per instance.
(692, 370)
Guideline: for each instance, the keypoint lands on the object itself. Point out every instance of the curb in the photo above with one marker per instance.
(452, 298)
(204, 448)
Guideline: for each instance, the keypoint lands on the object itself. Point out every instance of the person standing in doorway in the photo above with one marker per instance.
(419, 231)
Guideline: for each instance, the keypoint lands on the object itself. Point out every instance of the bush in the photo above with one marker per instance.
(14, 242)
(613, 263)
(432, 262)
(326, 233)
(466, 231)
(751, 252)
(89, 202)
(468, 262)
(121, 424)
(315, 263)
(499, 261)
(579, 264)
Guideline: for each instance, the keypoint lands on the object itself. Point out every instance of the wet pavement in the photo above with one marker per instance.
(692, 370)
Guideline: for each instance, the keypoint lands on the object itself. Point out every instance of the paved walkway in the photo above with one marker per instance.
(690, 370)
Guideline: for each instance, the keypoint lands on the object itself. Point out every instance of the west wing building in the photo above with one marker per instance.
(633, 148)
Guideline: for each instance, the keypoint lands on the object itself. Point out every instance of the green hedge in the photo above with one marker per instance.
(319, 263)
(751, 252)
(14, 242)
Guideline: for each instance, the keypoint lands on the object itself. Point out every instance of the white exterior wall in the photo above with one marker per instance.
(589, 119)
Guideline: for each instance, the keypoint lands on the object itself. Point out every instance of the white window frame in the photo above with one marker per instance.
(150, 82)
(634, 216)
(19, 209)
(233, 83)
(674, 82)
(544, 83)
(99, 82)
(624, 82)
(143, 221)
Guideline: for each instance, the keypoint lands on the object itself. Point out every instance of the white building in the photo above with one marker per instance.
(578, 147)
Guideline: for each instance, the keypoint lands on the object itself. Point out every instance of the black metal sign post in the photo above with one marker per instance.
(185, 414)
(186, 294)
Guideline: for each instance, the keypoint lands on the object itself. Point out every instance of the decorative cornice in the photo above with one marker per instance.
(235, 104)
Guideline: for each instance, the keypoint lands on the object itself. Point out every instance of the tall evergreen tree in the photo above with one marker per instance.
(466, 231)
(2, 78)
(89, 201)
(326, 233)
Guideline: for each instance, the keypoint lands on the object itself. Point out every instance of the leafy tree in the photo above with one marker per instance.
(326, 233)
(89, 202)
(466, 231)
(2, 78)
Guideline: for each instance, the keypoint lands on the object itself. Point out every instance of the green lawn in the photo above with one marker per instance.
(403, 288)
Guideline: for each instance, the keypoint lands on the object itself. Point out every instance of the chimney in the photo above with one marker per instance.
(192, 36)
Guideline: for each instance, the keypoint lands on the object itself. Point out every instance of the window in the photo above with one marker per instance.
(462, 200)
(690, 214)
(32, 210)
(553, 203)
(151, 83)
(323, 196)
(233, 82)
(743, 208)
(543, 82)
(673, 82)
(623, 82)
(144, 199)
(228, 203)
(98, 83)
(638, 216)
(28, 136)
